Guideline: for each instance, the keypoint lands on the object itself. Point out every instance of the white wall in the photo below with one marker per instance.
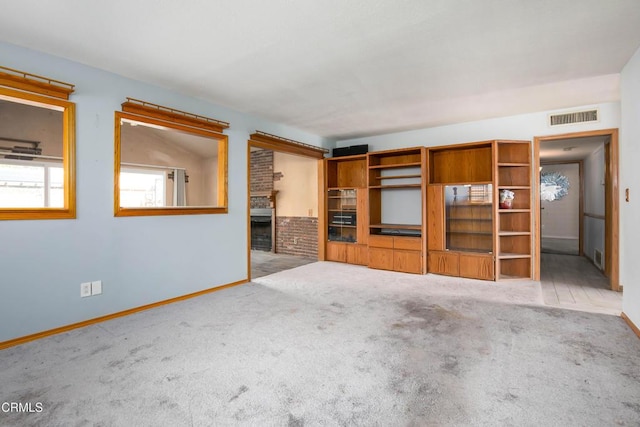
(140, 260)
(594, 170)
(629, 178)
(560, 218)
(524, 126)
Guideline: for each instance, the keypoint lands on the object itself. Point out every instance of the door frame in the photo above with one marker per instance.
(612, 201)
(278, 144)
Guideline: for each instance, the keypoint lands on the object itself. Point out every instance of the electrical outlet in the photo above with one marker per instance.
(85, 289)
(96, 287)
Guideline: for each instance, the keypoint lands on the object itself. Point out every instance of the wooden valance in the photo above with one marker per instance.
(277, 143)
(33, 83)
(148, 109)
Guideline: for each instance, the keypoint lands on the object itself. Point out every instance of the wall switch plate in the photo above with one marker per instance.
(96, 287)
(85, 289)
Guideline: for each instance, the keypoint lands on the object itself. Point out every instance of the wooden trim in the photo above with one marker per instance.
(322, 207)
(612, 209)
(222, 183)
(123, 212)
(581, 209)
(167, 114)
(67, 328)
(612, 224)
(424, 179)
(284, 145)
(249, 210)
(200, 131)
(535, 194)
(632, 325)
(223, 173)
(590, 215)
(116, 162)
(34, 83)
(68, 160)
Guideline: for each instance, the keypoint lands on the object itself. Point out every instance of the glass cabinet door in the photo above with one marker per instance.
(342, 218)
(469, 218)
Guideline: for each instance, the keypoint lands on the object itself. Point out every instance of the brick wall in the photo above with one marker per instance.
(261, 176)
(297, 236)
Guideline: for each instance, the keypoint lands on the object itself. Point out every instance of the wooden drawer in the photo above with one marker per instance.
(408, 243)
(381, 258)
(380, 241)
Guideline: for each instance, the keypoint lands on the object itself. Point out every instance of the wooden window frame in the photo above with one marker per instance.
(68, 149)
(153, 114)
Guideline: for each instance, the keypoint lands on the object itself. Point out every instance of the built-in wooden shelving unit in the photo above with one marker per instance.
(513, 227)
(397, 178)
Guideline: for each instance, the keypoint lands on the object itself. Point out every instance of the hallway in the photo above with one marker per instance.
(572, 282)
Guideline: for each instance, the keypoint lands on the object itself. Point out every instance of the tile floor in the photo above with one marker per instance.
(570, 281)
(265, 263)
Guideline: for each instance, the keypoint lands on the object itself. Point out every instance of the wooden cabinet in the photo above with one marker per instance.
(469, 222)
(482, 238)
(477, 266)
(397, 253)
(444, 263)
(349, 253)
(397, 190)
(437, 210)
(473, 266)
(345, 210)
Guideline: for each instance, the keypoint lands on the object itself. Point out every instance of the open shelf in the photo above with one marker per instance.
(507, 255)
(395, 186)
(383, 177)
(396, 165)
(514, 233)
(515, 268)
(397, 226)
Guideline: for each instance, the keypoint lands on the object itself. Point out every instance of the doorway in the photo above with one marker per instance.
(561, 205)
(282, 217)
(597, 152)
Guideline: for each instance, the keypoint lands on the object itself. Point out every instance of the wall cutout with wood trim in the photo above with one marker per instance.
(37, 147)
(168, 162)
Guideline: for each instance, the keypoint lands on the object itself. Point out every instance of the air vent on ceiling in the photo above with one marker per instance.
(574, 117)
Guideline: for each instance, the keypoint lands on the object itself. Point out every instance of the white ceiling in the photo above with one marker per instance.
(341, 68)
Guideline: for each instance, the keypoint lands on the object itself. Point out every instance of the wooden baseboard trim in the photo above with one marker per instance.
(55, 331)
(632, 325)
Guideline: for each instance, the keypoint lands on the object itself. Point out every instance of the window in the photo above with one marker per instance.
(31, 185)
(168, 162)
(140, 188)
(37, 174)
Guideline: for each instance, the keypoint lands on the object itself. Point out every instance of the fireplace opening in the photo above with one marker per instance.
(261, 230)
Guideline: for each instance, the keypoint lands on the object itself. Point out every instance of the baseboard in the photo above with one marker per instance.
(55, 331)
(632, 325)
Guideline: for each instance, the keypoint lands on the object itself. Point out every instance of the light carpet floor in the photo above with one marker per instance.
(335, 344)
